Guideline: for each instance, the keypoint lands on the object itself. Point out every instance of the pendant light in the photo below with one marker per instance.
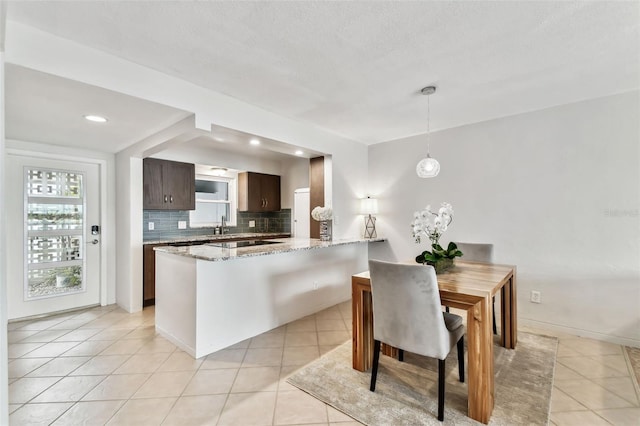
(428, 167)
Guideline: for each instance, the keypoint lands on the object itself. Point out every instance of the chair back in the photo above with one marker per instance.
(476, 252)
(406, 308)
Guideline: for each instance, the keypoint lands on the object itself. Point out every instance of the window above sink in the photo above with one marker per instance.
(216, 197)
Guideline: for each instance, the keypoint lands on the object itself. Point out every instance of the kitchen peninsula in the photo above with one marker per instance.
(214, 295)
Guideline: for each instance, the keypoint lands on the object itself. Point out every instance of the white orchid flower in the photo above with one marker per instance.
(431, 224)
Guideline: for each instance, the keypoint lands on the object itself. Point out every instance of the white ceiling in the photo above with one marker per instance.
(46, 108)
(356, 68)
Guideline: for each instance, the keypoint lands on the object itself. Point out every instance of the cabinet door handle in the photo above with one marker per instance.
(266, 202)
(165, 198)
(171, 198)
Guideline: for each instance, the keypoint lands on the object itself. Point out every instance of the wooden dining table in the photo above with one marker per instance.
(467, 285)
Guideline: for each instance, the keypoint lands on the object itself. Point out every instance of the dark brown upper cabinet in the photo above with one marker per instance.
(258, 192)
(168, 185)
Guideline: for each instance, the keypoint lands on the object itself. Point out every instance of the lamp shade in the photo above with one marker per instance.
(428, 167)
(368, 206)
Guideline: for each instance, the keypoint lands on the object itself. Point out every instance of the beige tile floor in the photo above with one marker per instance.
(105, 366)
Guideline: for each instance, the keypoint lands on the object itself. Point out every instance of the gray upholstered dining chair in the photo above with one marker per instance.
(479, 252)
(407, 315)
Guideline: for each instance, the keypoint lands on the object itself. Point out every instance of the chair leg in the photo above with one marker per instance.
(400, 355)
(376, 359)
(441, 389)
(446, 309)
(461, 358)
(495, 330)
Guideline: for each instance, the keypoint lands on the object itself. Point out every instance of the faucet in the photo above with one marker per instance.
(222, 225)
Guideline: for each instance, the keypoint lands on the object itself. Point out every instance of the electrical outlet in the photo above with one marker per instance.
(535, 296)
(315, 285)
(151, 226)
(252, 224)
(182, 224)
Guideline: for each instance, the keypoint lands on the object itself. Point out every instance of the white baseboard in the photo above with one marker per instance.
(173, 339)
(618, 340)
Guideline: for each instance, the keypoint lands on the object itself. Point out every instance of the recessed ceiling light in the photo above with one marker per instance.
(298, 152)
(96, 118)
(254, 142)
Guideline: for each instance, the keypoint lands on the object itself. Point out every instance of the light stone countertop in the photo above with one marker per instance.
(213, 253)
(246, 235)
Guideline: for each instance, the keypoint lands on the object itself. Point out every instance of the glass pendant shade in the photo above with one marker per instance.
(428, 167)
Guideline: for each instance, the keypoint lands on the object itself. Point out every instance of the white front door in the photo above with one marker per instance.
(53, 253)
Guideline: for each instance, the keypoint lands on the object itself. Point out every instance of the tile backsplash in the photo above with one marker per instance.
(166, 224)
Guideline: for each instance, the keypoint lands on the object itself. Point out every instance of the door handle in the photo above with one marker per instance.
(171, 198)
(95, 241)
(165, 198)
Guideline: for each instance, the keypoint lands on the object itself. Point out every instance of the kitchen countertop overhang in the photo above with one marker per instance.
(213, 253)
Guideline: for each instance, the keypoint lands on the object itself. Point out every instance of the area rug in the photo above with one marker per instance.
(407, 392)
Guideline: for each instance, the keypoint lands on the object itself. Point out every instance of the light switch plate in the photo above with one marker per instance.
(151, 226)
(182, 224)
(252, 224)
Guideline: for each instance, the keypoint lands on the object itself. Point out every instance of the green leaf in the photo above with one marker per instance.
(437, 249)
(438, 256)
(431, 257)
(452, 246)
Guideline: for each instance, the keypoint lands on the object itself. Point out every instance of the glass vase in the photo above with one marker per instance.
(325, 230)
(441, 265)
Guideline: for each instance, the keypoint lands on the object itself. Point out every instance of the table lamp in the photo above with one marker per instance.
(369, 207)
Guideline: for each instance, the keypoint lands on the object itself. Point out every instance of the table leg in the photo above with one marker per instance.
(362, 339)
(362, 321)
(509, 317)
(480, 364)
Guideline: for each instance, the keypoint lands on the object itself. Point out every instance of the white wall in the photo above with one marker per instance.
(558, 193)
(4, 374)
(129, 232)
(295, 174)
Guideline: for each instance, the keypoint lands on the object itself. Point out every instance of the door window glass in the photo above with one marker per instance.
(54, 229)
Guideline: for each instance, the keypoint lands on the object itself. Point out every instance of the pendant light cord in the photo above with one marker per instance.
(428, 125)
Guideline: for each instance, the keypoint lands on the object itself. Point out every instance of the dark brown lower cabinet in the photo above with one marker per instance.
(149, 275)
